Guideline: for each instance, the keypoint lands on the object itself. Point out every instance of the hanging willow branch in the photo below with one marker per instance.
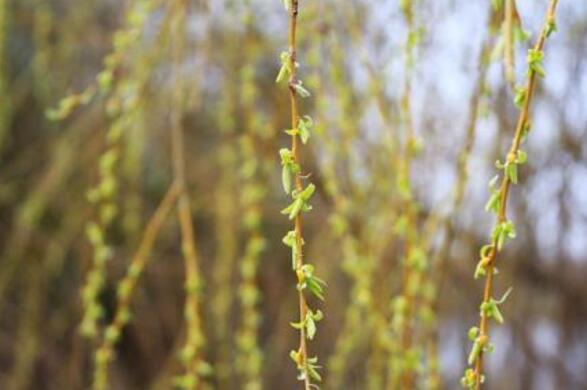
(307, 281)
(105, 353)
(504, 228)
(191, 355)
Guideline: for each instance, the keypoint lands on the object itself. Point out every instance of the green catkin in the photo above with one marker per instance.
(121, 105)
(504, 229)
(195, 367)
(308, 283)
(249, 359)
(103, 196)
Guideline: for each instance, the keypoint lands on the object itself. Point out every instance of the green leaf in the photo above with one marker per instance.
(293, 209)
(290, 239)
(297, 325)
(502, 232)
(286, 179)
(304, 126)
(290, 168)
(286, 156)
(300, 90)
(496, 314)
(307, 193)
(473, 333)
(485, 250)
(310, 327)
(481, 269)
(520, 97)
(534, 60)
(312, 369)
(475, 351)
(285, 69)
(494, 202)
(468, 380)
(511, 171)
(312, 282)
(315, 288)
(296, 357)
(521, 157)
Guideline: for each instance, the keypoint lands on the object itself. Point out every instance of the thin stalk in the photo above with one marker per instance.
(303, 307)
(290, 159)
(105, 353)
(504, 228)
(191, 354)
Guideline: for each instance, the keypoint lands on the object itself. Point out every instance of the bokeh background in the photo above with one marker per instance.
(353, 60)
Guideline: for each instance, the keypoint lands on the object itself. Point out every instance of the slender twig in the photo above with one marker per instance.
(504, 228)
(105, 353)
(290, 159)
(293, 18)
(191, 354)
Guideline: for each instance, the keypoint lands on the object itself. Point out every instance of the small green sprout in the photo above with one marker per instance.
(480, 344)
(510, 167)
(300, 202)
(494, 202)
(285, 70)
(534, 60)
(502, 232)
(307, 279)
(303, 129)
(309, 323)
(290, 241)
(485, 258)
(520, 97)
(289, 168)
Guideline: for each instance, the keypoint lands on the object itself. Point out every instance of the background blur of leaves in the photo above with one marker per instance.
(351, 56)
